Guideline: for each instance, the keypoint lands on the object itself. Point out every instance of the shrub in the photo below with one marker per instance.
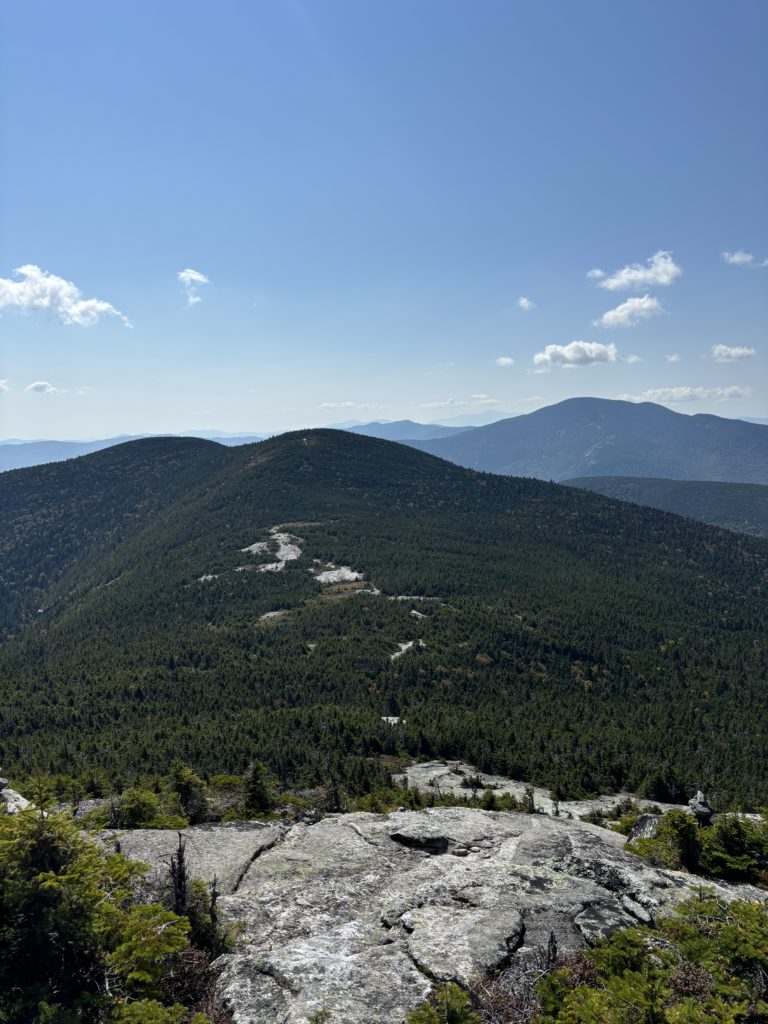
(448, 1004)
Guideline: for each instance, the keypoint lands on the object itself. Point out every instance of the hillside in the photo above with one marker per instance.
(23, 454)
(538, 631)
(740, 507)
(599, 437)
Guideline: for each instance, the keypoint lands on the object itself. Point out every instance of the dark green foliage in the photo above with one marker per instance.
(74, 942)
(256, 796)
(734, 848)
(570, 640)
(740, 507)
(707, 963)
(676, 845)
(190, 790)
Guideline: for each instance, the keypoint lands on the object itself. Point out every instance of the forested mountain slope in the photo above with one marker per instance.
(61, 516)
(599, 437)
(538, 631)
(740, 507)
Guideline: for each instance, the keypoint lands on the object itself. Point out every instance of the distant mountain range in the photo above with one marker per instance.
(406, 430)
(739, 507)
(599, 437)
(19, 454)
(576, 438)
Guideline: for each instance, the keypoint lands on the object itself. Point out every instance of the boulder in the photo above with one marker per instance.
(646, 827)
(700, 809)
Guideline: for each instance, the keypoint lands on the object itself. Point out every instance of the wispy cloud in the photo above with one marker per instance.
(731, 353)
(526, 304)
(191, 281)
(505, 361)
(456, 403)
(41, 387)
(5, 385)
(673, 357)
(632, 360)
(660, 269)
(630, 313)
(39, 291)
(576, 353)
(739, 258)
(689, 394)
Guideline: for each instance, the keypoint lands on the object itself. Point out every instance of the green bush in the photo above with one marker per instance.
(448, 1004)
(676, 844)
(70, 929)
(707, 963)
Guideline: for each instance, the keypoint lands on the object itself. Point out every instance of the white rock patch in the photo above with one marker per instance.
(207, 578)
(339, 574)
(405, 647)
(253, 549)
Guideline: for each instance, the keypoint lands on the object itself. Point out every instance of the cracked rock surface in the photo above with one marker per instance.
(225, 851)
(360, 914)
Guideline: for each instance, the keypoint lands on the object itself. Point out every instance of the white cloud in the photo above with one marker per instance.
(630, 313)
(730, 353)
(632, 360)
(41, 387)
(5, 385)
(505, 361)
(576, 353)
(191, 280)
(526, 304)
(660, 269)
(743, 259)
(351, 405)
(739, 258)
(456, 403)
(38, 290)
(674, 357)
(689, 394)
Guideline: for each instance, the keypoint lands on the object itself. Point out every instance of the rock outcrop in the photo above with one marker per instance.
(11, 802)
(454, 778)
(360, 914)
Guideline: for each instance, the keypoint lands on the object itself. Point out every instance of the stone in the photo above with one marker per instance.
(360, 914)
(13, 801)
(450, 777)
(222, 850)
(700, 809)
(646, 827)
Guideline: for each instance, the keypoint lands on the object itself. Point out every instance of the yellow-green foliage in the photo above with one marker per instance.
(448, 1004)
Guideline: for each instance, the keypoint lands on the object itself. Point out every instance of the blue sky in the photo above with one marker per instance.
(370, 189)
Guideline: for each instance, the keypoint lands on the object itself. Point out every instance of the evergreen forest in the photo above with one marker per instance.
(538, 631)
